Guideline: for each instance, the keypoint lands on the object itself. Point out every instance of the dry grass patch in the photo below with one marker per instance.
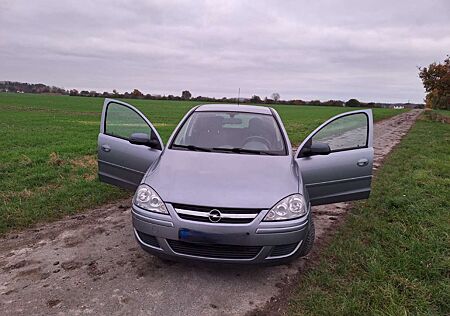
(27, 193)
(25, 160)
(87, 161)
(54, 159)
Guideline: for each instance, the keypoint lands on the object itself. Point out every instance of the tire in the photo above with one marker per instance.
(309, 240)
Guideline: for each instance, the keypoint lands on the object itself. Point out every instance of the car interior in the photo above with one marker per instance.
(255, 132)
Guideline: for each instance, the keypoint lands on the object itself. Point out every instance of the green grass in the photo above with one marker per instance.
(48, 150)
(391, 257)
(443, 112)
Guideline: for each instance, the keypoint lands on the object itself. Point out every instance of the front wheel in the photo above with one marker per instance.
(308, 243)
(304, 249)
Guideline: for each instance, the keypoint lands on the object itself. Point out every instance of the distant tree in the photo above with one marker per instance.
(136, 93)
(73, 92)
(115, 93)
(186, 95)
(314, 102)
(84, 93)
(333, 103)
(268, 101)
(148, 96)
(297, 102)
(255, 99)
(276, 96)
(23, 87)
(93, 93)
(44, 89)
(353, 103)
(436, 81)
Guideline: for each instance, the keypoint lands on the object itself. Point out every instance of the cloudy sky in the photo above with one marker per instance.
(302, 49)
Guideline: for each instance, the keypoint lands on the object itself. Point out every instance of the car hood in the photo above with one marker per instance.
(223, 179)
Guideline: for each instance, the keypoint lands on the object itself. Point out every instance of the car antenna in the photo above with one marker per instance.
(239, 95)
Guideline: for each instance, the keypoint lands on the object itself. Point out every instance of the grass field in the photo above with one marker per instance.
(391, 257)
(48, 150)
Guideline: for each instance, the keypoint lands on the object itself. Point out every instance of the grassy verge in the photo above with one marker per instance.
(442, 116)
(391, 257)
(48, 146)
(443, 112)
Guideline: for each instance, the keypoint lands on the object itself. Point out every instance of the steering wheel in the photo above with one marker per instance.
(258, 139)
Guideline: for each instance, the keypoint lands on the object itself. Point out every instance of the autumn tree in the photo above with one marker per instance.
(436, 81)
(136, 93)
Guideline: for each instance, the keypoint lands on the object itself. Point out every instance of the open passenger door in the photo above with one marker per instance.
(336, 159)
(127, 145)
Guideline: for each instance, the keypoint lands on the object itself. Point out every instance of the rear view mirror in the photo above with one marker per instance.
(143, 139)
(316, 148)
(232, 120)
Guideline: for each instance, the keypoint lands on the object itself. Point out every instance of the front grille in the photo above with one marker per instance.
(214, 251)
(283, 250)
(228, 215)
(148, 239)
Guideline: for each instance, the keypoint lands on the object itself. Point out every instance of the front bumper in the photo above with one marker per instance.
(253, 242)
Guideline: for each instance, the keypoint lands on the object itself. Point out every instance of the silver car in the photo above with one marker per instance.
(227, 187)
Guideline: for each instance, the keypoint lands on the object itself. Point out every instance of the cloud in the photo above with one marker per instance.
(301, 49)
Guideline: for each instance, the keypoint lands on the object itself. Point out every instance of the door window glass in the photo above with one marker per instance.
(121, 121)
(344, 133)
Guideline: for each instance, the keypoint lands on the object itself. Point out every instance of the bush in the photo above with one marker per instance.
(353, 103)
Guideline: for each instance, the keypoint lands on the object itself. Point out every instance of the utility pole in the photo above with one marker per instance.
(239, 95)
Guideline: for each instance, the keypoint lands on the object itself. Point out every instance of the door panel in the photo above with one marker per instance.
(346, 173)
(119, 162)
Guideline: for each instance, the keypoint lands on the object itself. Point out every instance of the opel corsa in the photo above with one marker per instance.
(227, 187)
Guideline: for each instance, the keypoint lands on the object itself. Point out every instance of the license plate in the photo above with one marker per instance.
(200, 237)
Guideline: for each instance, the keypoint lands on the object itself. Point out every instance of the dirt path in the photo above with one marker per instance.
(91, 264)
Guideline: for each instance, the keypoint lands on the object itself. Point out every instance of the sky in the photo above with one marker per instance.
(308, 50)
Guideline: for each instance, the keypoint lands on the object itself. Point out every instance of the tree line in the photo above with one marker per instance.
(19, 87)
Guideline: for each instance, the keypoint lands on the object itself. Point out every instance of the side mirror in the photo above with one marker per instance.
(143, 139)
(316, 148)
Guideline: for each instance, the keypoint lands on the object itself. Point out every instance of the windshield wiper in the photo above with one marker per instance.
(192, 147)
(243, 150)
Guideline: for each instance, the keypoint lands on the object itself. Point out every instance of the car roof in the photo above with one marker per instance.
(221, 107)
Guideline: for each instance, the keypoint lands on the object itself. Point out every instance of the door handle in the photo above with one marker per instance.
(362, 162)
(106, 148)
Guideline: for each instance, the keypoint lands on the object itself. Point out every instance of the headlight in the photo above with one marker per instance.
(290, 207)
(148, 199)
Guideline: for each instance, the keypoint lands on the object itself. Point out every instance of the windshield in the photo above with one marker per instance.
(235, 132)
